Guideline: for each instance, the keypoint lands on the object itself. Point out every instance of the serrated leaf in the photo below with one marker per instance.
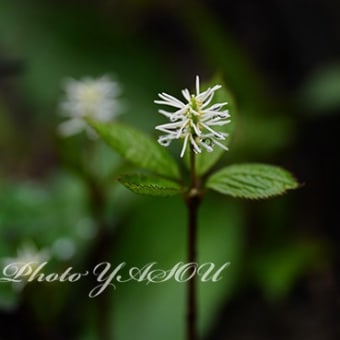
(137, 148)
(150, 185)
(206, 160)
(253, 181)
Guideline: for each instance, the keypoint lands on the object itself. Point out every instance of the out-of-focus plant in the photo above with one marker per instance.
(27, 260)
(95, 98)
(51, 215)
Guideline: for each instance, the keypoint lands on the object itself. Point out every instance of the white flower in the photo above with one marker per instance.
(93, 98)
(194, 120)
(27, 256)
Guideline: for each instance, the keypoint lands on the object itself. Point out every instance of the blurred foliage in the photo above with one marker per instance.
(277, 273)
(51, 214)
(320, 93)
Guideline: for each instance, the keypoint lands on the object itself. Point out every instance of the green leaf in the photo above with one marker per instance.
(206, 160)
(253, 181)
(137, 148)
(150, 185)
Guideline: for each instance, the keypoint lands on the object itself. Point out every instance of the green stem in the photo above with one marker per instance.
(193, 201)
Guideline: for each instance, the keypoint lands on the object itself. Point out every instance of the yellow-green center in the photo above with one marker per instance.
(90, 95)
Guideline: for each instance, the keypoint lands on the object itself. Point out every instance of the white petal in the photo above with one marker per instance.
(195, 127)
(180, 114)
(193, 143)
(186, 94)
(165, 113)
(197, 85)
(217, 134)
(169, 126)
(204, 95)
(184, 145)
(183, 126)
(220, 145)
(92, 134)
(217, 122)
(217, 107)
(206, 146)
(207, 102)
(171, 100)
(71, 127)
(165, 140)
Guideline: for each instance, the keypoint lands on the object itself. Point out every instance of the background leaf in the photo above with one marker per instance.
(277, 273)
(254, 181)
(137, 148)
(320, 92)
(150, 185)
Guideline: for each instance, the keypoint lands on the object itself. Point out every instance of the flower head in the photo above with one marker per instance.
(29, 257)
(194, 120)
(89, 97)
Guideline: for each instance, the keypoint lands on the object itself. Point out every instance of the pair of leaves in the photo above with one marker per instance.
(252, 181)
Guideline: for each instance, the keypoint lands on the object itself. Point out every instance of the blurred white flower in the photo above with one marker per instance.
(89, 97)
(27, 256)
(194, 119)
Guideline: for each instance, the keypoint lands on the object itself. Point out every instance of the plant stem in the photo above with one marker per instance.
(193, 201)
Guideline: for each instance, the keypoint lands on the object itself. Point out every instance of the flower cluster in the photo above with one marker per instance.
(93, 98)
(194, 120)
